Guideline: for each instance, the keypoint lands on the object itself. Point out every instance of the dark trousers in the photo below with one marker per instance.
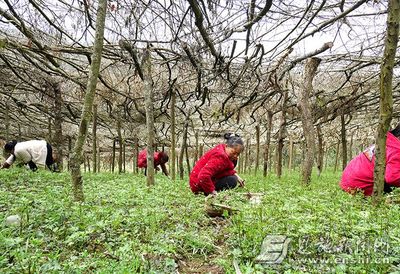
(227, 182)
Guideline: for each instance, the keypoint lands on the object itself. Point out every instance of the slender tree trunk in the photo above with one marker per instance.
(58, 139)
(281, 134)
(344, 141)
(386, 96)
(173, 135)
(113, 156)
(77, 158)
(351, 147)
(69, 152)
(135, 153)
(306, 117)
(184, 142)
(187, 158)
(88, 162)
(7, 122)
(149, 100)
(196, 152)
(120, 141)
(49, 129)
(123, 157)
(98, 159)
(290, 165)
(94, 136)
(337, 156)
(320, 161)
(267, 143)
(247, 158)
(257, 149)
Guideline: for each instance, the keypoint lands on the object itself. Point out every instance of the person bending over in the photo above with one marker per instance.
(160, 159)
(358, 176)
(214, 171)
(34, 153)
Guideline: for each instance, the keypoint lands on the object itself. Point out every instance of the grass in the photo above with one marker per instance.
(125, 227)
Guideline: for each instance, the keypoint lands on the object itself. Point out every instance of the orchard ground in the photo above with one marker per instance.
(125, 227)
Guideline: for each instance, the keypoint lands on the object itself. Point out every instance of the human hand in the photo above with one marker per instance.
(240, 180)
(212, 195)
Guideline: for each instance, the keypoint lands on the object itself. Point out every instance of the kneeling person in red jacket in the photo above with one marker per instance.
(160, 159)
(359, 173)
(214, 171)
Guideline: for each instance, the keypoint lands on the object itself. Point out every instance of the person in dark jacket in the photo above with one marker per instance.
(160, 159)
(214, 171)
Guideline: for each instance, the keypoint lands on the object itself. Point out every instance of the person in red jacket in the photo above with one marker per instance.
(359, 173)
(214, 171)
(160, 159)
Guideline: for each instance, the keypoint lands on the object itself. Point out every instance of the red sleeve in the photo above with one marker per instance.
(212, 168)
(392, 173)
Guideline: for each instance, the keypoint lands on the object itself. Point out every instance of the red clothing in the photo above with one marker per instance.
(213, 165)
(359, 173)
(142, 158)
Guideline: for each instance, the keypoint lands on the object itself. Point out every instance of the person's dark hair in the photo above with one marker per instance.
(10, 146)
(164, 157)
(233, 139)
(396, 130)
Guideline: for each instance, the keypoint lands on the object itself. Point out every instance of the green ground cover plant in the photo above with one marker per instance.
(126, 227)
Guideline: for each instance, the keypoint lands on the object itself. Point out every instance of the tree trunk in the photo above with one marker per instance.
(306, 117)
(135, 153)
(386, 96)
(7, 122)
(196, 152)
(69, 152)
(267, 143)
(58, 139)
(149, 100)
(351, 147)
(173, 135)
(77, 157)
(337, 156)
(94, 137)
(247, 156)
(257, 149)
(290, 165)
(120, 141)
(187, 158)
(184, 137)
(88, 162)
(281, 134)
(98, 159)
(344, 141)
(320, 161)
(113, 156)
(123, 157)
